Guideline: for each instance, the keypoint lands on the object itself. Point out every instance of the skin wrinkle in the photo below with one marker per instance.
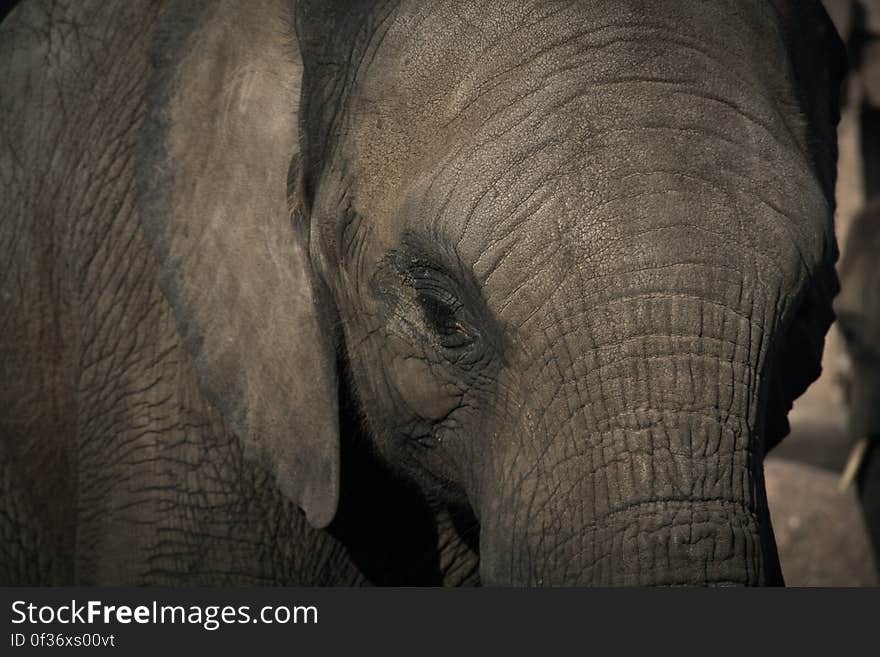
(614, 431)
(616, 347)
(600, 302)
(634, 37)
(605, 305)
(654, 296)
(608, 201)
(495, 265)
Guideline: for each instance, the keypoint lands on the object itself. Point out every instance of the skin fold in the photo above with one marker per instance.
(406, 292)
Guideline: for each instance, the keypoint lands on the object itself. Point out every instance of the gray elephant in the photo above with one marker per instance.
(346, 292)
(858, 22)
(858, 309)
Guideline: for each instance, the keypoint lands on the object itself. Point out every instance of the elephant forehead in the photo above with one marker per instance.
(610, 186)
(429, 68)
(482, 103)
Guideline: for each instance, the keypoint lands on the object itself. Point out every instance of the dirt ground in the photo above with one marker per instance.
(819, 530)
(817, 542)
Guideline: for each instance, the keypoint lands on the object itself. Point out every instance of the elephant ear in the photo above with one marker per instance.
(219, 145)
(818, 67)
(332, 34)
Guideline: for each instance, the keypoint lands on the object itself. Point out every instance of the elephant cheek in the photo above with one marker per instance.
(422, 394)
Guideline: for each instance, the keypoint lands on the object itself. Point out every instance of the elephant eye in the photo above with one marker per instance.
(442, 316)
(435, 301)
(443, 311)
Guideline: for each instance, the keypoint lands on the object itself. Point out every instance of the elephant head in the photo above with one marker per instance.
(572, 262)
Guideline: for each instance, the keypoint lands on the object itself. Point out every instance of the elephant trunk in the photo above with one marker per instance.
(636, 454)
(648, 291)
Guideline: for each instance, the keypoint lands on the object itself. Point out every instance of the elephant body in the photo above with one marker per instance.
(859, 302)
(858, 310)
(371, 292)
(858, 22)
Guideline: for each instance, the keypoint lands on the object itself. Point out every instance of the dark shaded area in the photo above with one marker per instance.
(6, 6)
(869, 119)
(385, 521)
(858, 42)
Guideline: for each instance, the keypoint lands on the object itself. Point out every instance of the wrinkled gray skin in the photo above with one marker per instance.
(858, 310)
(534, 281)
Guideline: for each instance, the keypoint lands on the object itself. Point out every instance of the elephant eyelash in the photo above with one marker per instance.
(443, 315)
(429, 303)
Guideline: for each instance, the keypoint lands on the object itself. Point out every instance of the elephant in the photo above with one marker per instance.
(371, 292)
(858, 22)
(858, 311)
